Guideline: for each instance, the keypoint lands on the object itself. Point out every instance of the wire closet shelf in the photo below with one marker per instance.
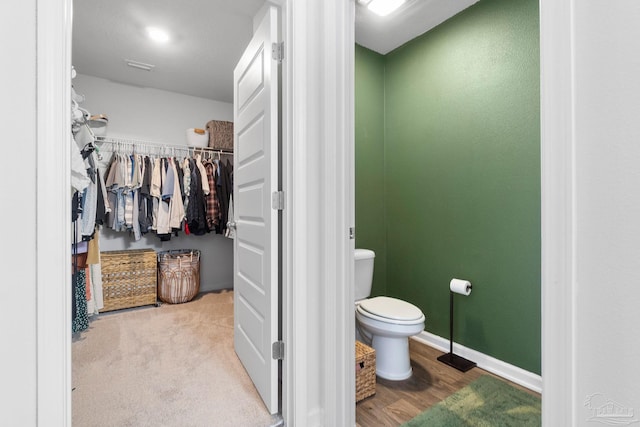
(140, 146)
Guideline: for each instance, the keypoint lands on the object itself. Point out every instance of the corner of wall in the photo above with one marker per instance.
(384, 169)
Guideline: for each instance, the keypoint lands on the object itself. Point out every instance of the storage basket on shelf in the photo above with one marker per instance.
(178, 275)
(197, 137)
(365, 371)
(129, 278)
(220, 134)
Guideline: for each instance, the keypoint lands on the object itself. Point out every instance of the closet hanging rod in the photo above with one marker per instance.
(158, 148)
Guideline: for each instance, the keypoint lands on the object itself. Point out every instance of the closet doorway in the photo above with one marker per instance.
(151, 87)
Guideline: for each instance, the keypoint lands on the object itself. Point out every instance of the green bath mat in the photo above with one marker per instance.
(486, 402)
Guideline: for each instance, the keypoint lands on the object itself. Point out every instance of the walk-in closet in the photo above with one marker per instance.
(152, 186)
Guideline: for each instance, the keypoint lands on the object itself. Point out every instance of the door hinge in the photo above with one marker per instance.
(352, 233)
(277, 350)
(277, 51)
(277, 200)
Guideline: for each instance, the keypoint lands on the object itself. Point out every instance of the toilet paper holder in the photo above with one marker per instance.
(451, 359)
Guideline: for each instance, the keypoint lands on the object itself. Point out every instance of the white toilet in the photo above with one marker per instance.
(384, 323)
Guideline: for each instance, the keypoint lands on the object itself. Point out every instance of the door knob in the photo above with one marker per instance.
(231, 225)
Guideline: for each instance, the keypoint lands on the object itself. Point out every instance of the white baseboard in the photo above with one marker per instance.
(498, 367)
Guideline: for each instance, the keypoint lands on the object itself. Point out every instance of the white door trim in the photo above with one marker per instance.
(558, 212)
(306, 331)
(318, 104)
(318, 175)
(53, 217)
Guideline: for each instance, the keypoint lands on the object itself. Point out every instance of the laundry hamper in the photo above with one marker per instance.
(178, 275)
(365, 371)
(129, 278)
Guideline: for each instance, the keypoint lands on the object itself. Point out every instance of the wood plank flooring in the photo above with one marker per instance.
(396, 402)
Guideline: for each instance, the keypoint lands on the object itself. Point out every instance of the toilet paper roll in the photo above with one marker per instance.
(459, 286)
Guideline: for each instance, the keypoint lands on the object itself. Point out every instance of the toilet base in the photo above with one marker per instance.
(392, 357)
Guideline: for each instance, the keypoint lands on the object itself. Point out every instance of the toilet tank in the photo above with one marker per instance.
(363, 273)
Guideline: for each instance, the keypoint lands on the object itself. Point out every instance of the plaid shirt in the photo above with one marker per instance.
(213, 206)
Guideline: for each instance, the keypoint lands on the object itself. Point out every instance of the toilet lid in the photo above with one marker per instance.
(391, 308)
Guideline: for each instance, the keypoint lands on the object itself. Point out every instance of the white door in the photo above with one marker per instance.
(255, 273)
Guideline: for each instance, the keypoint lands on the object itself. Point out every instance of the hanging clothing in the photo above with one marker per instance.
(163, 218)
(163, 195)
(169, 181)
(93, 209)
(213, 205)
(93, 251)
(176, 207)
(225, 188)
(180, 175)
(203, 173)
(197, 212)
(230, 232)
(102, 204)
(80, 321)
(96, 282)
(186, 183)
(128, 188)
(145, 208)
(79, 178)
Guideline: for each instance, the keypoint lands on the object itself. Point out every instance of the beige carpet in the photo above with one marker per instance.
(172, 365)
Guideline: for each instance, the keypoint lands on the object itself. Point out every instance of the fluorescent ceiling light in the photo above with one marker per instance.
(139, 65)
(157, 34)
(384, 7)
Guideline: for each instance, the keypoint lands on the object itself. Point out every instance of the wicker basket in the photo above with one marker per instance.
(220, 134)
(129, 278)
(178, 275)
(365, 371)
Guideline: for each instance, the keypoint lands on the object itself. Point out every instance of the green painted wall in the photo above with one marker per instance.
(369, 134)
(462, 176)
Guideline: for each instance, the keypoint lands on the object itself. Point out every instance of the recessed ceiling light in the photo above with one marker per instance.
(384, 7)
(157, 34)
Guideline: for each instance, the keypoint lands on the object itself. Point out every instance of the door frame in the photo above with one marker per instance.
(53, 216)
(319, 181)
(302, 402)
(317, 252)
(558, 290)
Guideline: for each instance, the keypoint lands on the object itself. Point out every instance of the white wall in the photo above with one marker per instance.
(17, 127)
(607, 203)
(590, 210)
(146, 113)
(162, 116)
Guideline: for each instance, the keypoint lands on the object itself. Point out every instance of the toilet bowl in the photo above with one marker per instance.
(384, 323)
(387, 323)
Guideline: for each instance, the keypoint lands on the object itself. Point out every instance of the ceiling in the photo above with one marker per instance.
(208, 37)
(416, 17)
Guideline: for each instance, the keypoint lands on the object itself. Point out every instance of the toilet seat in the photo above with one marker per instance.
(391, 310)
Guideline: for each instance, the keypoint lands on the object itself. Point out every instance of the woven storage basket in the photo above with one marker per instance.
(129, 278)
(220, 135)
(178, 275)
(365, 371)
